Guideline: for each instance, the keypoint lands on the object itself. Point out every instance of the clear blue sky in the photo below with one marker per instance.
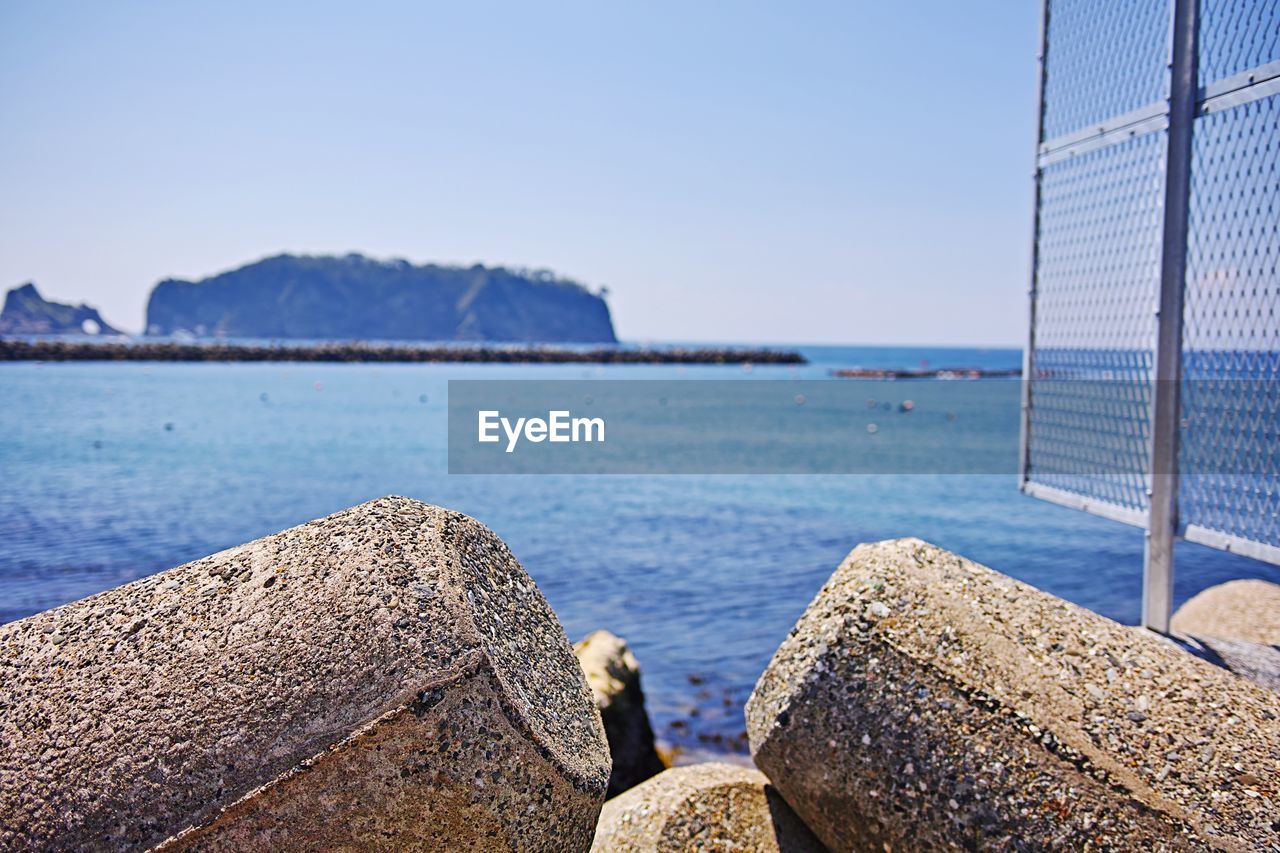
(840, 172)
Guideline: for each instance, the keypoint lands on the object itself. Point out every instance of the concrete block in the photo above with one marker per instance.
(1243, 610)
(924, 701)
(386, 677)
(702, 807)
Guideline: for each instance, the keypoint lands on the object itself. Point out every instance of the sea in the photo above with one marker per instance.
(113, 471)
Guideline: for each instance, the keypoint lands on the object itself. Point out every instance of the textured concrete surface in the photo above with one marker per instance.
(924, 701)
(1246, 610)
(1258, 662)
(387, 677)
(703, 807)
(613, 674)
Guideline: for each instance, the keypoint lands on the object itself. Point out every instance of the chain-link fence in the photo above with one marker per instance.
(1158, 187)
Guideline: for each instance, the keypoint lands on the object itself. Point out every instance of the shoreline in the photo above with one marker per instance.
(357, 352)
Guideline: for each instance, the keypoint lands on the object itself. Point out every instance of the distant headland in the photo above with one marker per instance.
(351, 297)
(26, 312)
(354, 309)
(357, 298)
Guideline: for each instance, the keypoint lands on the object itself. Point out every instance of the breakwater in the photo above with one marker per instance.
(21, 350)
(925, 373)
(389, 676)
(386, 677)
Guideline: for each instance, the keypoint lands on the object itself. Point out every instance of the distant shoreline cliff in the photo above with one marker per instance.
(358, 298)
(26, 312)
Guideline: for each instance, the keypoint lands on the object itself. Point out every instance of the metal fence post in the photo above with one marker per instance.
(1162, 527)
(1028, 355)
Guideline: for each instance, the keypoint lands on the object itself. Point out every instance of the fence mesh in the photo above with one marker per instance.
(1236, 36)
(1102, 59)
(1231, 326)
(1097, 275)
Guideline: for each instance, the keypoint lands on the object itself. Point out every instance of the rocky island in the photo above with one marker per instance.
(358, 298)
(26, 312)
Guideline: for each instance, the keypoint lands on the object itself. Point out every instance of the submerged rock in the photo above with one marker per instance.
(924, 701)
(703, 807)
(388, 676)
(613, 673)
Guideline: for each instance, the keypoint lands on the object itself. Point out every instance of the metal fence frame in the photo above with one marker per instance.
(1176, 115)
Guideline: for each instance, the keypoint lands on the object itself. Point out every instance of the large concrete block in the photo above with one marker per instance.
(1244, 610)
(702, 807)
(924, 701)
(1236, 624)
(386, 677)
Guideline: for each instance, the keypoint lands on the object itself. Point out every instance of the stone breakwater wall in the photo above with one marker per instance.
(385, 677)
(390, 678)
(20, 350)
(924, 701)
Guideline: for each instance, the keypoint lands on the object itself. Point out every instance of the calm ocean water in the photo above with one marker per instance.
(109, 472)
